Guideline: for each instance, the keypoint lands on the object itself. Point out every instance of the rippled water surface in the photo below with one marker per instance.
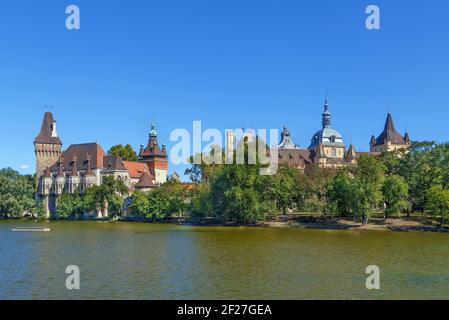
(146, 261)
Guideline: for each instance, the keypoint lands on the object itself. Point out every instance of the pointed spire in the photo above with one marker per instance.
(89, 171)
(286, 141)
(326, 114)
(326, 102)
(153, 132)
(145, 181)
(61, 168)
(407, 138)
(373, 140)
(350, 154)
(74, 172)
(48, 133)
(389, 125)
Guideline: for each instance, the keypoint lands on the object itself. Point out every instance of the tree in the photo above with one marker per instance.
(158, 205)
(421, 168)
(341, 193)
(395, 194)
(369, 176)
(317, 181)
(70, 205)
(438, 202)
(140, 203)
(237, 194)
(109, 194)
(16, 194)
(283, 187)
(126, 152)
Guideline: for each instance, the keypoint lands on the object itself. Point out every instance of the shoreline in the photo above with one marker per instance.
(300, 221)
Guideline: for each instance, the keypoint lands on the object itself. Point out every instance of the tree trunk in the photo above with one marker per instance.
(441, 221)
(364, 219)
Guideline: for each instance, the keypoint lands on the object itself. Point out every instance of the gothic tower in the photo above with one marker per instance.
(47, 145)
(155, 157)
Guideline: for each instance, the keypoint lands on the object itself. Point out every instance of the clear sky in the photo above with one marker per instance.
(228, 63)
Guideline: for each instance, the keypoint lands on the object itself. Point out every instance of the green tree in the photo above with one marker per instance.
(421, 168)
(158, 205)
(316, 191)
(126, 152)
(283, 187)
(200, 205)
(109, 194)
(438, 202)
(395, 194)
(341, 193)
(140, 203)
(369, 176)
(70, 205)
(237, 194)
(16, 193)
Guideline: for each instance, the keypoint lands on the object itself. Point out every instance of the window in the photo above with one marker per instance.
(334, 152)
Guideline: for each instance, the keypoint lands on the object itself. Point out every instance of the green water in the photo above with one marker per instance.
(145, 261)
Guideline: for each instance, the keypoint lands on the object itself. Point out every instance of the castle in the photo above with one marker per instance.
(81, 166)
(327, 147)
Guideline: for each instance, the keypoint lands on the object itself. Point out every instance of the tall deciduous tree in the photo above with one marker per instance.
(126, 152)
(16, 193)
(438, 202)
(395, 195)
(369, 176)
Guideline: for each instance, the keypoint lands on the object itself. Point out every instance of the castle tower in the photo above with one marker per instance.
(155, 157)
(286, 140)
(327, 143)
(389, 139)
(47, 145)
(230, 140)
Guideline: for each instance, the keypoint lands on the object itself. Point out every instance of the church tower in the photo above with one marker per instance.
(155, 157)
(47, 145)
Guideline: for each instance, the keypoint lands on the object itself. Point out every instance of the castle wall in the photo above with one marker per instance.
(46, 156)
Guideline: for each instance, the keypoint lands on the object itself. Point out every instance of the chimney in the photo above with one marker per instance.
(54, 132)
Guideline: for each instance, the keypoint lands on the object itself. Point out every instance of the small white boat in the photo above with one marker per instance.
(30, 229)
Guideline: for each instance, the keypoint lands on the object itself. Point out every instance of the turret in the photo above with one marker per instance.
(47, 145)
(155, 157)
(59, 182)
(89, 178)
(74, 179)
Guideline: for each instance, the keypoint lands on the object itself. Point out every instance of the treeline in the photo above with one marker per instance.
(109, 196)
(17, 194)
(393, 184)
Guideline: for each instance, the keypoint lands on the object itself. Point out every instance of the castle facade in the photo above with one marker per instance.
(327, 147)
(84, 165)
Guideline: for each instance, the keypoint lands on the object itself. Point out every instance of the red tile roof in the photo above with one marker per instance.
(135, 169)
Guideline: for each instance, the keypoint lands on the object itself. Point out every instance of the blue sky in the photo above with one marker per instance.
(228, 63)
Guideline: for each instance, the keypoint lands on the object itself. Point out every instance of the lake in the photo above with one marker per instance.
(119, 260)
